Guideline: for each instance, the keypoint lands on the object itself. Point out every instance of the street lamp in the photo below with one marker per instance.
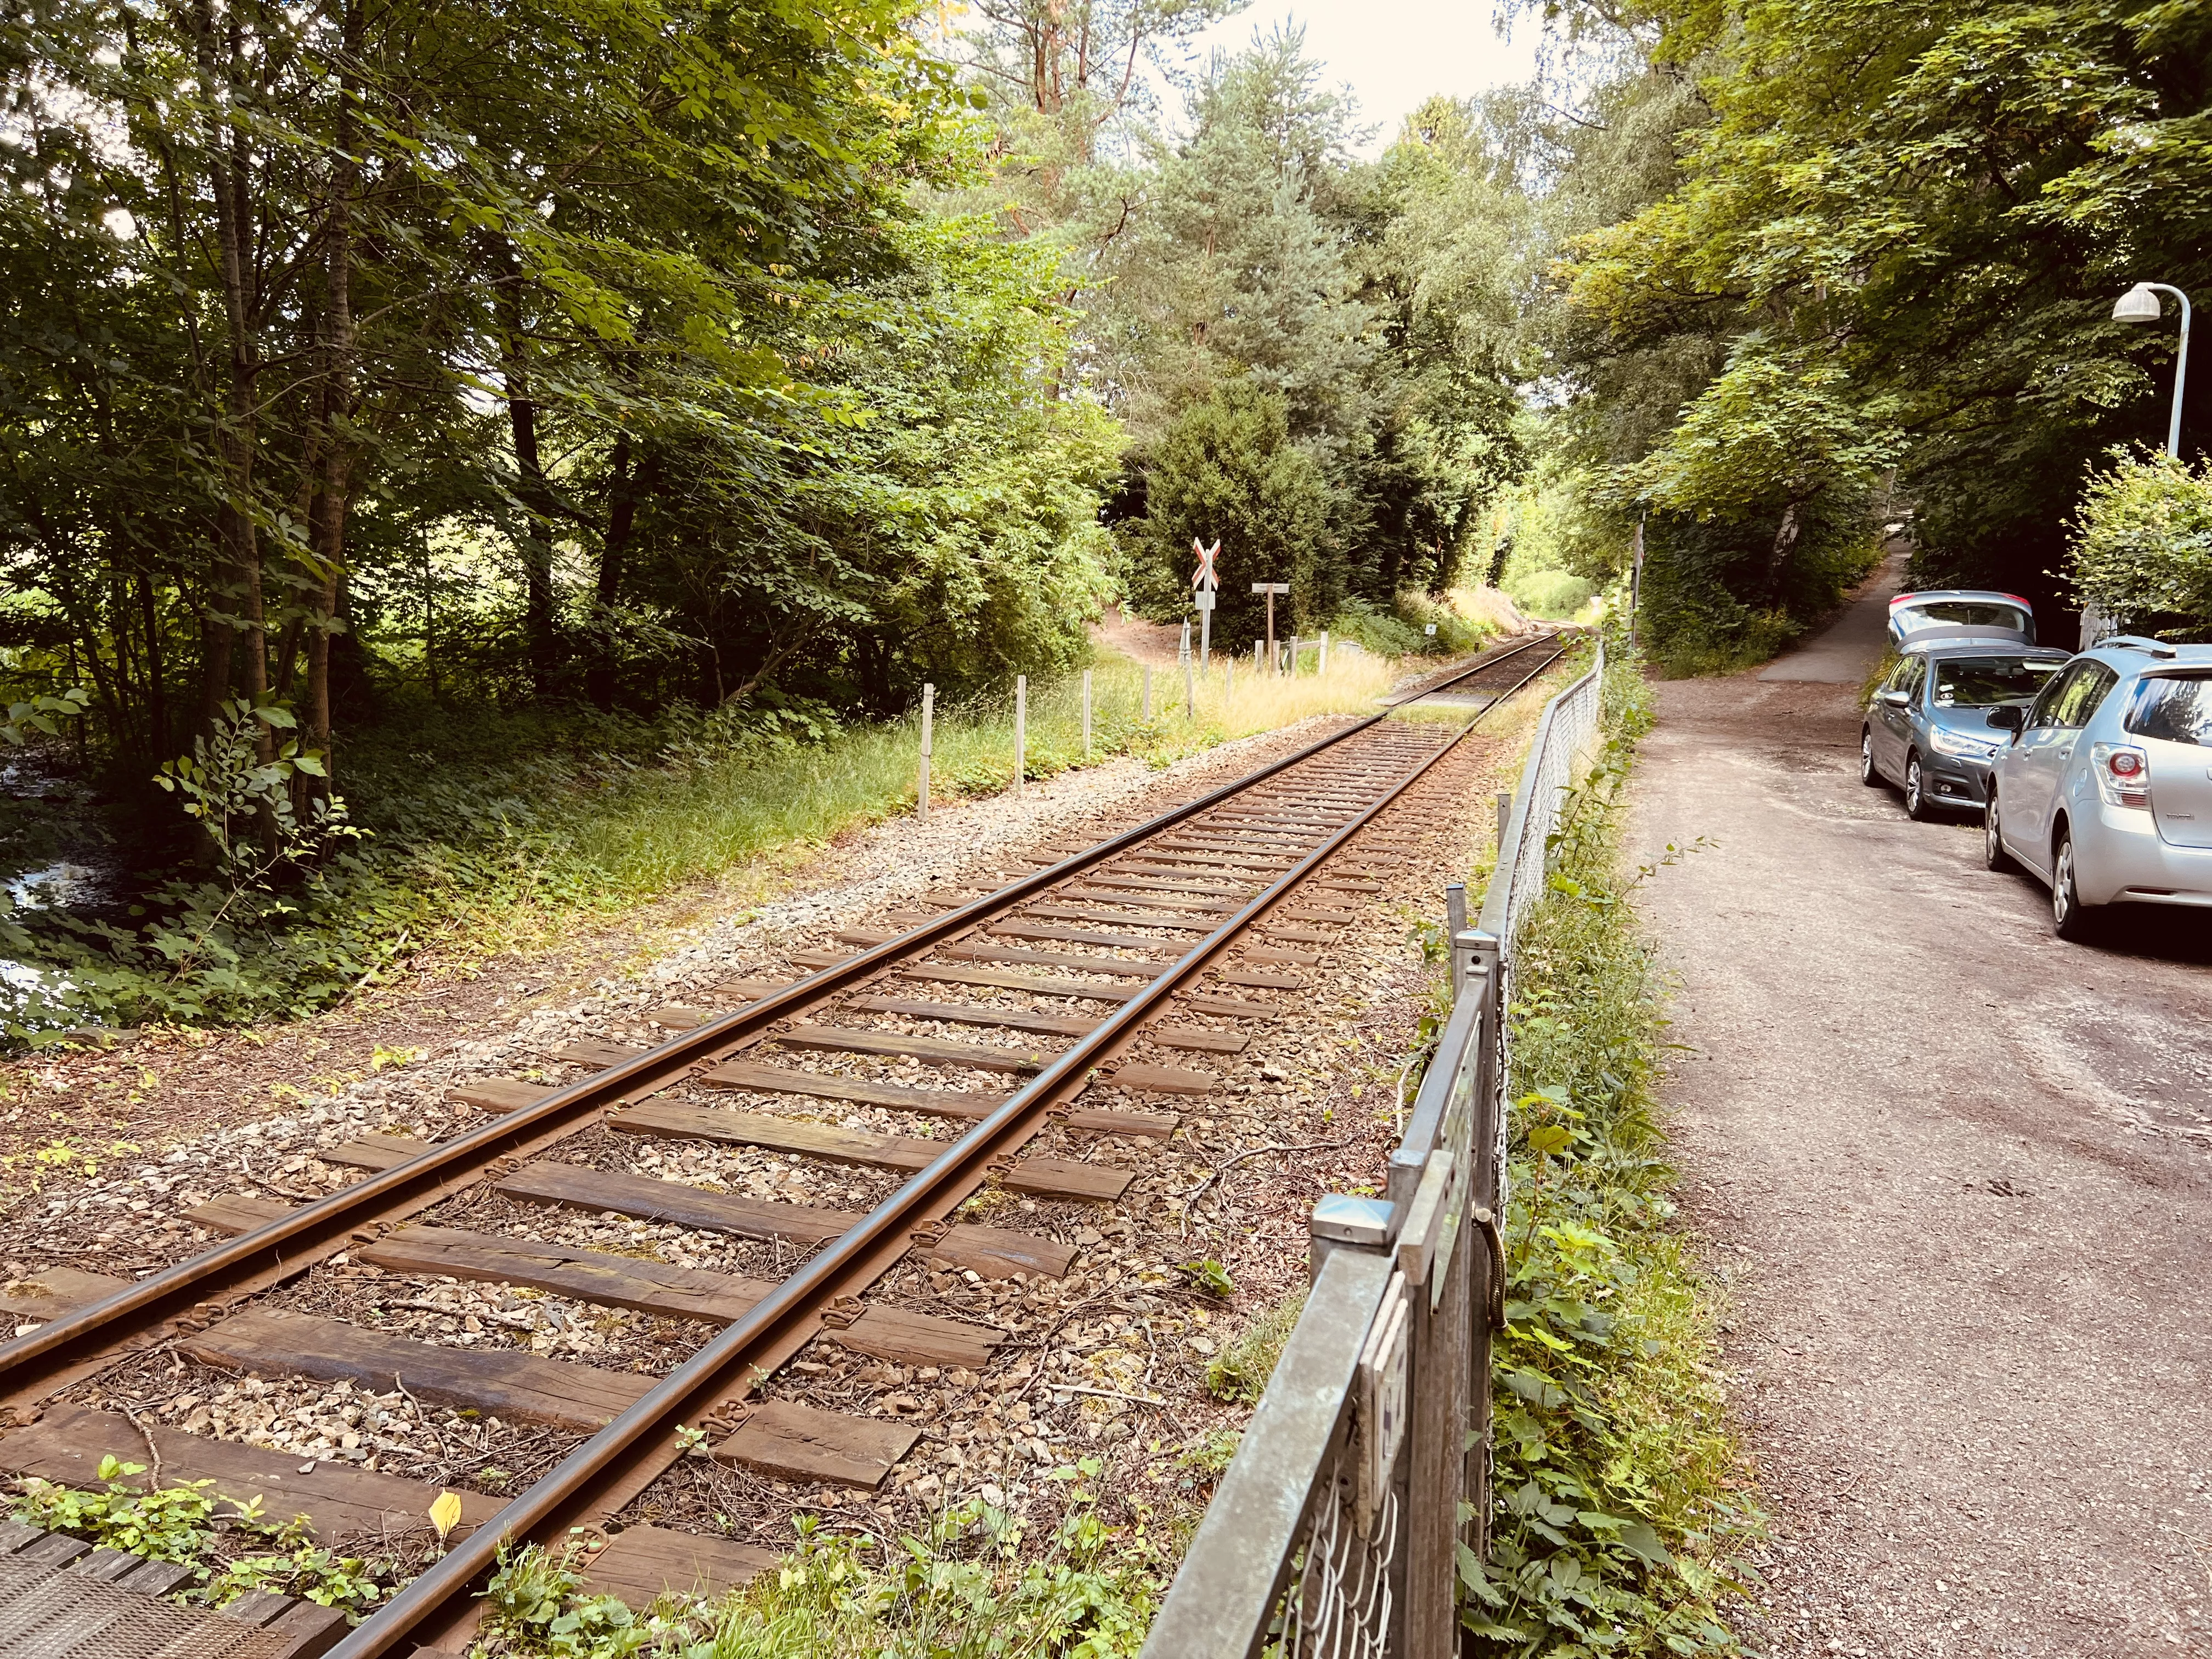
(2139, 304)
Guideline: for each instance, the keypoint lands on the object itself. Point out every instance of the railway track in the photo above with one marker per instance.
(1025, 1043)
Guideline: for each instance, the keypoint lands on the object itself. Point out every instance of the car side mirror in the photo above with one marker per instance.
(1895, 699)
(2007, 717)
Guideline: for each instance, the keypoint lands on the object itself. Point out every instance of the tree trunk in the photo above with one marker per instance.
(157, 707)
(530, 480)
(327, 529)
(1778, 558)
(631, 481)
(239, 576)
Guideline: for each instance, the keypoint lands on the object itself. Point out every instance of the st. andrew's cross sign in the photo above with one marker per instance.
(1203, 586)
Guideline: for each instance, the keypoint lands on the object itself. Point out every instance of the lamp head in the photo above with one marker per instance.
(2138, 305)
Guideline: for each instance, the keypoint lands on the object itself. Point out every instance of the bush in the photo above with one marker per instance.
(2142, 544)
(1621, 1498)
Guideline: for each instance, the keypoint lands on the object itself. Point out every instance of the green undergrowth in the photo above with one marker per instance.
(231, 1547)
(480, 832)
(974, 1585)
(1622, 1502)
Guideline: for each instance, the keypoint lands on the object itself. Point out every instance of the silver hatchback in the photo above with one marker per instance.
(2104, 791)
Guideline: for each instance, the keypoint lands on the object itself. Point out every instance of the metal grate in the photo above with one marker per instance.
(1338, 1606)
(46, 1613)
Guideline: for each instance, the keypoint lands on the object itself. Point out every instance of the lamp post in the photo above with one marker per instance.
(2139, 304)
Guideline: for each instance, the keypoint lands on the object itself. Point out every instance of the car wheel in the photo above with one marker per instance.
(1993, 847)
(1916, 791)
(1868, 775)
(2070, 917)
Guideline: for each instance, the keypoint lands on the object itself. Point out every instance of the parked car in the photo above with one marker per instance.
(2104, 793)
(1928, 726)
(2006, 615)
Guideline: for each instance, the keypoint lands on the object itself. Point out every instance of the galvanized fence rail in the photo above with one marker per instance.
(1335, 1533)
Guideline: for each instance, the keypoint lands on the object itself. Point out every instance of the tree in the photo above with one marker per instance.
(1941, 204)
(1227, 471)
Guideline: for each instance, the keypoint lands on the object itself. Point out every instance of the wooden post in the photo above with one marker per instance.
(1294, 653)
(1324, 651)
(1021, 730)
(1086, 713)
(1271, 624)
(1148, 694)
(928, 709)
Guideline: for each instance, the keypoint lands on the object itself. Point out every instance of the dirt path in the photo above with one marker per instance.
(1957, 1178)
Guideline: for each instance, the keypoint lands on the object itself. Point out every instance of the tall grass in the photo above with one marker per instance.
(735, 818)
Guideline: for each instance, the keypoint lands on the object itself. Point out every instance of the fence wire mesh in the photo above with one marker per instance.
(1338, 1607)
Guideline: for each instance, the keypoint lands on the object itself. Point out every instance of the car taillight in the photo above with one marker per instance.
(2122, 773)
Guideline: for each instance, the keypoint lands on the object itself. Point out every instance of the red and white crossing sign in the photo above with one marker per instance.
(1207, 578)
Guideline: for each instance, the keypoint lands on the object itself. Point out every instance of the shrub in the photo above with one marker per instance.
(2142, 544)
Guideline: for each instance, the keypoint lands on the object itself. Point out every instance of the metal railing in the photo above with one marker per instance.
(1335, 1533)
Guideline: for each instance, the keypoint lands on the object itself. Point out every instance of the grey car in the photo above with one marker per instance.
(2104, 788)
(1928, 726)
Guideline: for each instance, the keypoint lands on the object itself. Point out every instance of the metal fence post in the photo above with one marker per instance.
(1454, 925)
(1021, 733)
(928, 708)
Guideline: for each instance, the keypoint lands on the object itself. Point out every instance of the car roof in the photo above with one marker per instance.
(2141, 656)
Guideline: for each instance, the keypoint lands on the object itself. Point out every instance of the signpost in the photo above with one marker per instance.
(1204, 585)
(1271, 589)
(1189, 690)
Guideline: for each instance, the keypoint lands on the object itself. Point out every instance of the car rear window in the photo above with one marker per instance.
(1983, 682)
(1966, 613)
(2178, 709)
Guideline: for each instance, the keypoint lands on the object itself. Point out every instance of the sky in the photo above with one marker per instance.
(1394, 53)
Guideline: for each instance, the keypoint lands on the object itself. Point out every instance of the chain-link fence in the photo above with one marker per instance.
(1335, 1532)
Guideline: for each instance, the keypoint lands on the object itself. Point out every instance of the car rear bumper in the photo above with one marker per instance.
(2119, 858)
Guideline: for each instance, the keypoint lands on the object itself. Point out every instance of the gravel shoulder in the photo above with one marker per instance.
(1954, 1178)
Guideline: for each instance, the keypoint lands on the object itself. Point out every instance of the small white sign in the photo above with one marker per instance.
(1202, 601)
(1429, 630)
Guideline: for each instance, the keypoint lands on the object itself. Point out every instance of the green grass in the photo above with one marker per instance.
(489, 832)
(1623, 1499)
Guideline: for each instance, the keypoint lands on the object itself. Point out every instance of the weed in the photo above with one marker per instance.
(971, 1585)
(1621, 1496)
(232, 1548)
(1240, 1371)
(1208, 1275)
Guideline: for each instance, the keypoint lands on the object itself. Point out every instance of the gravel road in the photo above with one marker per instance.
(1956, 1178)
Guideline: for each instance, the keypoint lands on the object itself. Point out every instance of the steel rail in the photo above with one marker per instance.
(574, 1492)
(199, 1288)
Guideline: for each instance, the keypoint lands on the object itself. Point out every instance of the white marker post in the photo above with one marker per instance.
(928, 708)
(1021, 729)
(1086, 713)
(1324, 652)
(1189, 689)
(1271, 589)
(1203, 586)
